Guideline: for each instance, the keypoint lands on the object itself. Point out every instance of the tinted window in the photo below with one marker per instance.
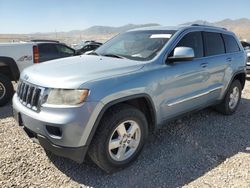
(214, 44)
(193, 40)
(64, 50)
(93, 47)
(231, 44)
(45, 49)
(86, 47)
(245, 45)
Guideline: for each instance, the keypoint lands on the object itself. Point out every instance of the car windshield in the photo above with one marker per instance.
(136, 45)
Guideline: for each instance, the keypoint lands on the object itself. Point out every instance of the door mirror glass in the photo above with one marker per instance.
(182, 54)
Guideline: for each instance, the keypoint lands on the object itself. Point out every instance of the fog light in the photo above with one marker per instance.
(54, 131)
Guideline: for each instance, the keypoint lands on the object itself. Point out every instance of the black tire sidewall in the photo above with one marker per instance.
(9, 90)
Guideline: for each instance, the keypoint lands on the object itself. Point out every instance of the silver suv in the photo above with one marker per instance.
(105, 104)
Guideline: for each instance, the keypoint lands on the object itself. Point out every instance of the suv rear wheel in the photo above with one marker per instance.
(232, 99)
(119, 139)
(6, 90)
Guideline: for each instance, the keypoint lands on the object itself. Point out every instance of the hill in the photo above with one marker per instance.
(241, 27)
(102, 33)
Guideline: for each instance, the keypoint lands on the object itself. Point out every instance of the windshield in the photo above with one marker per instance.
(136, 45)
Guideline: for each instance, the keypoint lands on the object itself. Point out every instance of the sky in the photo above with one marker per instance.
(30, 16)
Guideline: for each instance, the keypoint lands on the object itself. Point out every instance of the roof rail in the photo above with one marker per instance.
(208, 26)
(44, 40)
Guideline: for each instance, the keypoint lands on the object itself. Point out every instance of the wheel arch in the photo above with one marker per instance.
(143, 102)
(241, 76)
(9, 68)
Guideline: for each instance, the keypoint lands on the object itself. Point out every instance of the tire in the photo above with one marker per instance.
(226, 107)
(110, 129)
(6, 90)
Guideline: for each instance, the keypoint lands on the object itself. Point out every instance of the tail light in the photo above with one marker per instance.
(35, 54)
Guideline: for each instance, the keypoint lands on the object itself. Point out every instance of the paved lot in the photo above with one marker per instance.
(205, 149)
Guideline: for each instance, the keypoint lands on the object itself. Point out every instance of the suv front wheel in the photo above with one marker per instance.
(232, 99)
(119, 139)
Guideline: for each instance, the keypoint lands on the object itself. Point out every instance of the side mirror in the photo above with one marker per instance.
(182, 54)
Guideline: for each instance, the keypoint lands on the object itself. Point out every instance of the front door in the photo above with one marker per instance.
(185, 85)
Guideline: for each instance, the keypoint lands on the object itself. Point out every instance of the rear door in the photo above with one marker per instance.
(217, 62)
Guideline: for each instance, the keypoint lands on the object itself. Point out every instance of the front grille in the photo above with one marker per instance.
(29, 95)
(248, 59)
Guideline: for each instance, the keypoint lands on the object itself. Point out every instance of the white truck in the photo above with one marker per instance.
(14, 57)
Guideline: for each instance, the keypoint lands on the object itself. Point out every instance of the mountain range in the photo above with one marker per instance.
(102, 33)
(103, 30)
(241, 27)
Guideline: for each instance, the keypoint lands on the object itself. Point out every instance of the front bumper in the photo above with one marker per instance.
(75, 154)
(75, 125)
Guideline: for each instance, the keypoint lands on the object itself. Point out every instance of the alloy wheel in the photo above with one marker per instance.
(234, 98)
(124, 140)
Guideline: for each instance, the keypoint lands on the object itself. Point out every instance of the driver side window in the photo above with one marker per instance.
(192, 40)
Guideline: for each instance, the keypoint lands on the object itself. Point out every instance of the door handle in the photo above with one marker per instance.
(204, 65)
(229, 59)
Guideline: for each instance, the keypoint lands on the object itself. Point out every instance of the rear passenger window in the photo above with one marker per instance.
(245, 45)
(231, 44)
(45, 49)
(214, 44)
(193, 40)
(64, 50)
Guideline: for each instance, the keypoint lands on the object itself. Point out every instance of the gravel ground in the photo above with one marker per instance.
(204, 149)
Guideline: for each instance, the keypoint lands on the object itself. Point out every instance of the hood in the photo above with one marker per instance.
(74, 71)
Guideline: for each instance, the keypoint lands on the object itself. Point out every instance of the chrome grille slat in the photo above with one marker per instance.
(32, 102)
(29, 95)
(25, 93)
(21, 90)
(18, 88)
(37, 97)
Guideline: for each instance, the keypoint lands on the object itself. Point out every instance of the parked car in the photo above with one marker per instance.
(88, 46)
(105, 104)
(246, 46)
(14, 57)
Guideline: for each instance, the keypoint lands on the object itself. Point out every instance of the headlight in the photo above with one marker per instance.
(66, 96)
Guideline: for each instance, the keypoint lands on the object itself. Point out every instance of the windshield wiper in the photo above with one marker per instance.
(113, 55)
